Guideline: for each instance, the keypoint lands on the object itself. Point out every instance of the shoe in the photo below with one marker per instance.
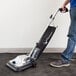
(59, 63)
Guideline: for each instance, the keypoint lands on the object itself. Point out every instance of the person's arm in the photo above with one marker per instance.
(64, 4)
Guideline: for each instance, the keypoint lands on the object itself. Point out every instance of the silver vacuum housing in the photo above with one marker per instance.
(20, 63)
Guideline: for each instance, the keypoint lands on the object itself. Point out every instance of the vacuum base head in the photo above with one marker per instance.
(17, 69)
(20, 63)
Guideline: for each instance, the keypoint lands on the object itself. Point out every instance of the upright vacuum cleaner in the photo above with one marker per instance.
(23, 62)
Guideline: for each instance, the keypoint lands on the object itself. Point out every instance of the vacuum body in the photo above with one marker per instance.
(22, 62)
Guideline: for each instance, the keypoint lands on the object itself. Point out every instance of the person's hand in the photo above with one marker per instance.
(63, 9)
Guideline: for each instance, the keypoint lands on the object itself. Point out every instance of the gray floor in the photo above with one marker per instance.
(42, 69)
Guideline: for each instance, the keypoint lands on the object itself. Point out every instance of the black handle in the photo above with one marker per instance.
(61, 10)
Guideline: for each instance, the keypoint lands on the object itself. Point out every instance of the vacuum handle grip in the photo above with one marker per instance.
(61, 10)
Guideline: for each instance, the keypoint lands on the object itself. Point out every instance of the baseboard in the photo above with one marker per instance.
(27, 50)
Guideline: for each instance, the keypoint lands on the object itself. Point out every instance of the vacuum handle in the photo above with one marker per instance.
(61, 10)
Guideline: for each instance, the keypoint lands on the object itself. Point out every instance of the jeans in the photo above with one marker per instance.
(68, 52)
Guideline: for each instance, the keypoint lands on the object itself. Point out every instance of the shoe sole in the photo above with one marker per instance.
(65, 65)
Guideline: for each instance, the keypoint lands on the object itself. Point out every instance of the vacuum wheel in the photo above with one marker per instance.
(34, 63)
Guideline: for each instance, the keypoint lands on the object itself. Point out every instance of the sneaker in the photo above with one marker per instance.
(59, 63)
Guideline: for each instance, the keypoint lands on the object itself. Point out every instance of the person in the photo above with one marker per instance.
(69, 51)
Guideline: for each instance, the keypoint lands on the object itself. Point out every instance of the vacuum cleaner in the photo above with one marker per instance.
(22, 62)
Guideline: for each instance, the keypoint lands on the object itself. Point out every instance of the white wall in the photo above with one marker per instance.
(22, 22)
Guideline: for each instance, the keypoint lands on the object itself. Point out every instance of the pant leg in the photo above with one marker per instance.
(68, 52)
(72, 28)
